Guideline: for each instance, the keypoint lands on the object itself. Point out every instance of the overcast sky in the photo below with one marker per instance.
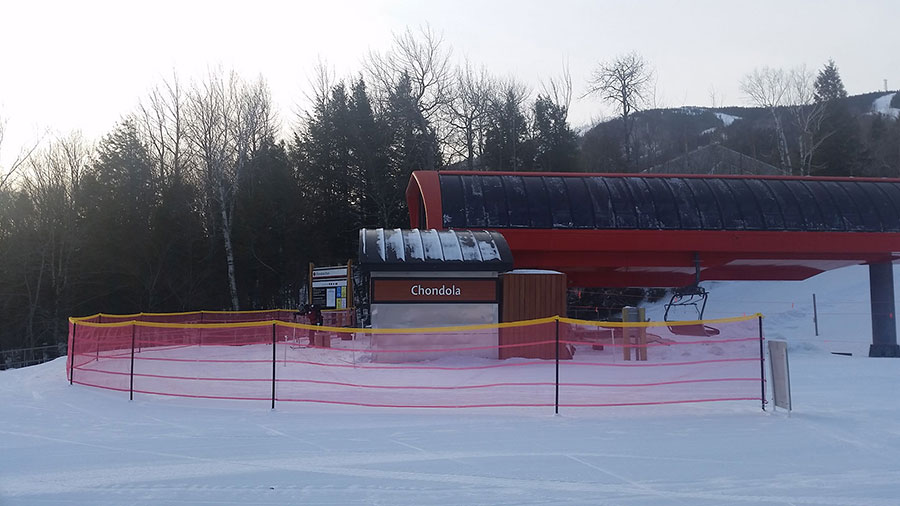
(83, 64)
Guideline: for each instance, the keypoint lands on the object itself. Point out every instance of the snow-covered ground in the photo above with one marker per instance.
(62, 444)
(882, 105)
(726, 119)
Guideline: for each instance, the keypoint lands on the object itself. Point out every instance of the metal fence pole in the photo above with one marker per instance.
(273, 364)
(72, 353)
(762, 365)
(556, 402)
(131, 381)
(815, 316)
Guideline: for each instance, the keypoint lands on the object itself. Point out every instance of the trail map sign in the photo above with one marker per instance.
(331, 287)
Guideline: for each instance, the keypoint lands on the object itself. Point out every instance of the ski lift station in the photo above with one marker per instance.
(611, 230)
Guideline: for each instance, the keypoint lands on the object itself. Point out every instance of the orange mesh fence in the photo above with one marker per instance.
(539, 363)
(657, 363)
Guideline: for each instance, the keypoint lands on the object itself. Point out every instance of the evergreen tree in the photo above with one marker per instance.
(555, 144)
(412, 146)
(829, 85)
(323, 156)
(840, 151)
(506, 145)
(270, 242)
(370, 138)
(119, 197)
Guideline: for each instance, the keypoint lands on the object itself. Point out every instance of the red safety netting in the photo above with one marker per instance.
(540, 363)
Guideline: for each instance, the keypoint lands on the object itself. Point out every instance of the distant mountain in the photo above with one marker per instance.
(862, 137)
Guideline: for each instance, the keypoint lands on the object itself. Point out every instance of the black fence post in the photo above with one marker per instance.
(556, 402)
(72, 353)
(273, 364)
(762, 364)
(131, 380)
(815, 316)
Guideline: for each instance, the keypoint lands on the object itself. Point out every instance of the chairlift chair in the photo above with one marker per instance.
(690, 296)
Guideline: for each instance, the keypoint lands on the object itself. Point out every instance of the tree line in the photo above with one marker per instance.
(196, 199)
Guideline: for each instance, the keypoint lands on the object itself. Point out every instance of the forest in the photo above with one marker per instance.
(205, 197)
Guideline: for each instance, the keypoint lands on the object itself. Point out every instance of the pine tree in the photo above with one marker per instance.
(413, 146)
(839, 153)
(829, 85)
(555, 144)
(506, 144)
(119, 198)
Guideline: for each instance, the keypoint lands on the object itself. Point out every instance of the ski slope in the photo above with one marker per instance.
(66, 444)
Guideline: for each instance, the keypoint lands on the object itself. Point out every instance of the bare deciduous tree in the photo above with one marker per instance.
(625, 82)
(161, 121)
(807, 115)
(790, 91)
(468, 110)
(228, 120)
(52, 184)
(424, 60)
(559, 90)
(768, 88)
(7, 174)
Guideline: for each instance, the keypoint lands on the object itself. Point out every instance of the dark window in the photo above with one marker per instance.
(846, 208)
(643, 203)
(664, 202)
(746, 204)
(580, 202)
(806, 199)
(791, 210)
(538, 207)
(517, 201)
(453, 202)
(771, 211)
(710, 215)
(494, 199)
(867, 205)
(559, 202)
(831, 212)
(732, 219)
(601, 203)
(622, 204)
(474, 201)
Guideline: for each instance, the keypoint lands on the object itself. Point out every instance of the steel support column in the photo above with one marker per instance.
(884, 327)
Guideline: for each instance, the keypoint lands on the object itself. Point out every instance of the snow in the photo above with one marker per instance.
(379, 241)
(841, 445)
(726, 119)
(394, 245)
(468, 246)
(489, 250)
(882, 105)
(432, 244)
(414, 243)
(532, 271)
(451, 248)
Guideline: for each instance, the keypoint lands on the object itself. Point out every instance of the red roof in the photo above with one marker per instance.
(781, 228)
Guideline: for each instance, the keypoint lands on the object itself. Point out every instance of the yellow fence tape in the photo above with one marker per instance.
(355, 330)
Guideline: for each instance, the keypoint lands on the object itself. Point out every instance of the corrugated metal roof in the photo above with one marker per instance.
(670, 203)
(436, 250)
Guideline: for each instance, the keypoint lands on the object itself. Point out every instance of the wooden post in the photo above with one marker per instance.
(628, 333)
(642, 335)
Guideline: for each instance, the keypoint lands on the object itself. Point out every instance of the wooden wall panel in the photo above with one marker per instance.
(526, 297)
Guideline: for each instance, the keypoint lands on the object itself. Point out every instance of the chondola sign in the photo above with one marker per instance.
(453, 291)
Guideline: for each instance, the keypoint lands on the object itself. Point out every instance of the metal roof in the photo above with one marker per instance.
(433, 250)
(652, 229)
(671, 203)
